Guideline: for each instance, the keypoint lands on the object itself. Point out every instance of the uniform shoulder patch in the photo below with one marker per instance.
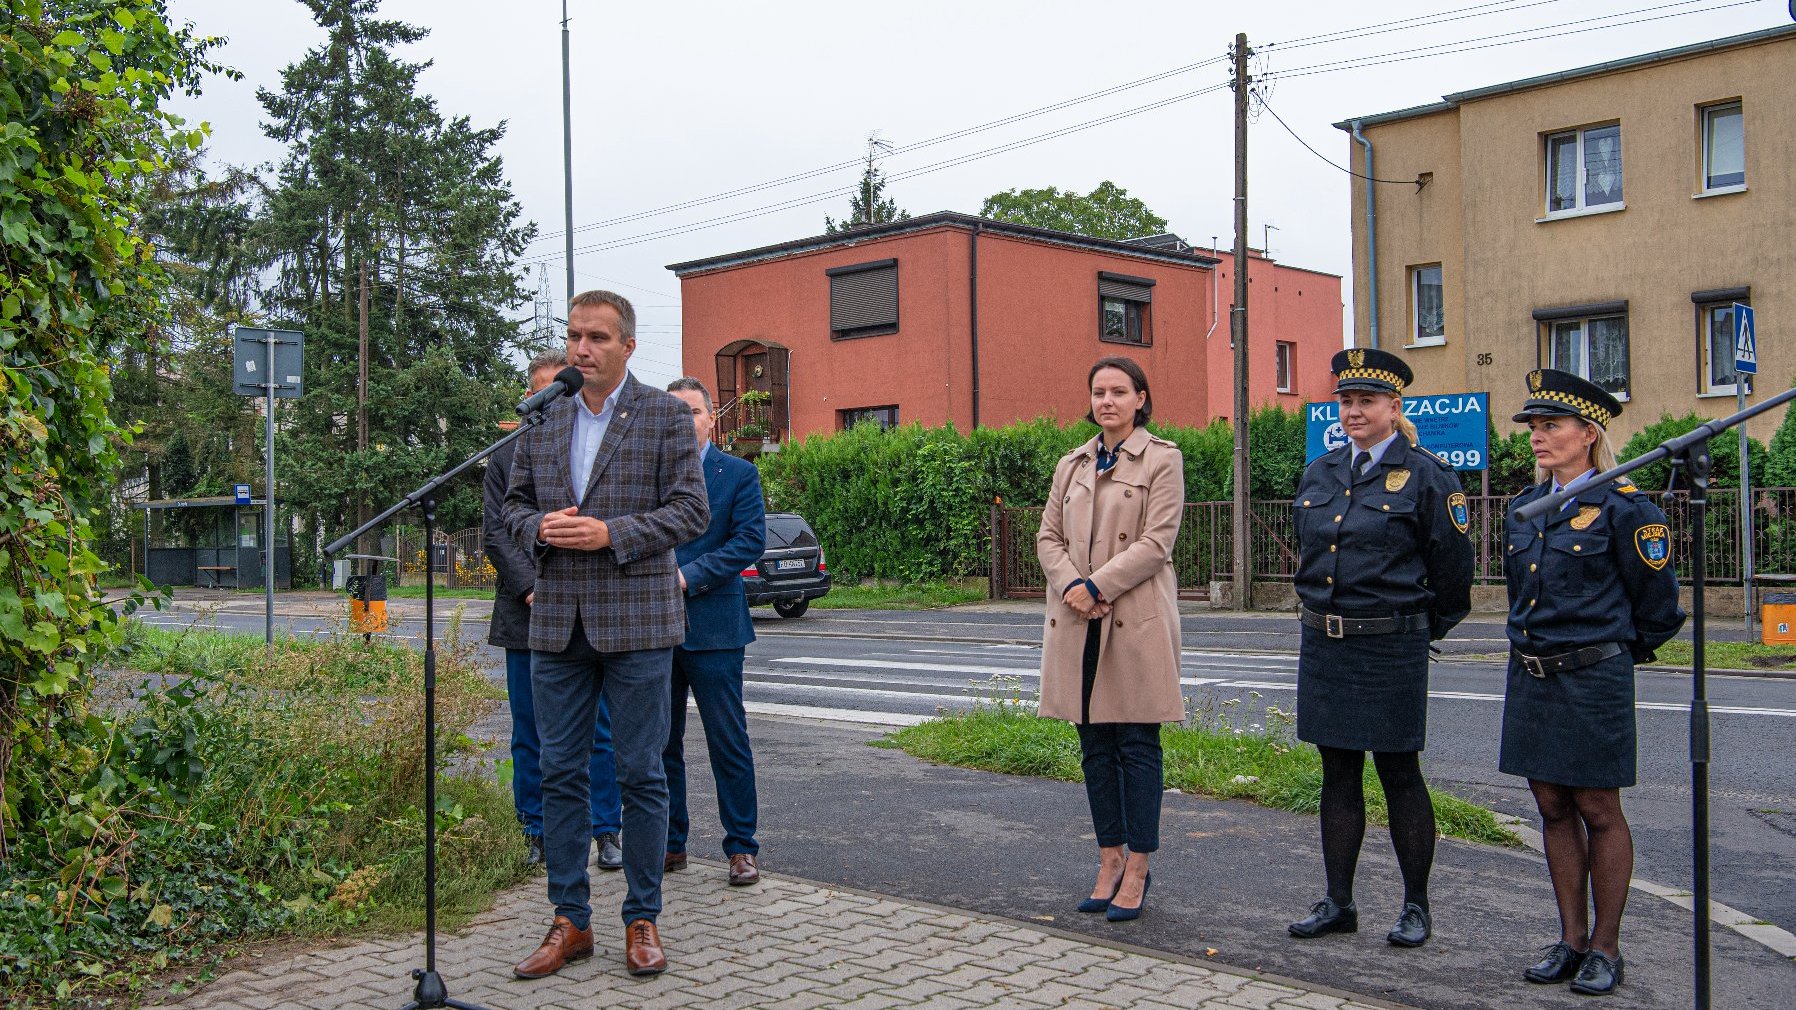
(1459, 511)
(1626, 487)
(1653, 542)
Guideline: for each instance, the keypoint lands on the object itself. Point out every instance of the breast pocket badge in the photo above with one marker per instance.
(1654, 544)
(1395, 480)
(1459, 511)
(1586, 515)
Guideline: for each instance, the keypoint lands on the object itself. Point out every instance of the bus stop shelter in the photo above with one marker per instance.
(211, 542)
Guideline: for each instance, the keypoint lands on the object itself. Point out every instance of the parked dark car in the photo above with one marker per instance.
(792, 571)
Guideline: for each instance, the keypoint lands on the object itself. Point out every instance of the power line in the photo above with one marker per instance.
(1422, 52)
(1405, 24)
(1417, 182)
(903, 149)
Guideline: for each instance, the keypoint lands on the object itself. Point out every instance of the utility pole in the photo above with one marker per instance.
(1238, 330)
(567, 150)
(361, 392)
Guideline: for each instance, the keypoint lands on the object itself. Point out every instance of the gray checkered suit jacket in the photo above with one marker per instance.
(649, 489)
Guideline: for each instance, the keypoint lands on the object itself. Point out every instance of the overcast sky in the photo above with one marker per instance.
(678, 101)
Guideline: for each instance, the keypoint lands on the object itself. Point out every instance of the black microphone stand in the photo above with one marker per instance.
(430, 991)
(1690, 453)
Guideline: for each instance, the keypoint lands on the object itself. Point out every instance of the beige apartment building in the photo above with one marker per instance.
(1602, 220)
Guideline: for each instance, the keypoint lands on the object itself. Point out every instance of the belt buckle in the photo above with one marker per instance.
(1534, 666)
(1331, 623)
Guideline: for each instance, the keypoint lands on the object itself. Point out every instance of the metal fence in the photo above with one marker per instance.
(1204, 552)
(467, 564)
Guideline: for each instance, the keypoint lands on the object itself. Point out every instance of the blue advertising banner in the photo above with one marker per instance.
(1453, 426)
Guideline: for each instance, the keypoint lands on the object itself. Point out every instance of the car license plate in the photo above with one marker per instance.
(789, 565)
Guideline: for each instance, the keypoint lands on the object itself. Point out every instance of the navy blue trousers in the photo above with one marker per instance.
(526, 756)
(568, 686)
(714, 679)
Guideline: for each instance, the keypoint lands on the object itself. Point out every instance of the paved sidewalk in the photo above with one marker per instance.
(782, 945)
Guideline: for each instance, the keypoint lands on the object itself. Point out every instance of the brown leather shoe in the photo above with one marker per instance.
(642, 949)
(743, 870)
(563, 944)
(673, 862)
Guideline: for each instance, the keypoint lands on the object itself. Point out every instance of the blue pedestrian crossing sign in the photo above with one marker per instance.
(1746, 340)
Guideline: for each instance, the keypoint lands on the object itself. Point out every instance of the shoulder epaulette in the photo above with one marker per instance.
(1151, 437)
(1626, 487)
(1431, 454)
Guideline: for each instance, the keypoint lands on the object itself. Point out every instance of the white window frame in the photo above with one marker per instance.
(1284, 355)
(1550, 331)
(1416, 339)
(1580, 205)
(1705, 323)
(1708, 114)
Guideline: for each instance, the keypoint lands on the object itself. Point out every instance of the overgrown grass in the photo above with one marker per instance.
(416, 592)
(1730, 655)
(1212, 755)
(228, 794)
(917, 596)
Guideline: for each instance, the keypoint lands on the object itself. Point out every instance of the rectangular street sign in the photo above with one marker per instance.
(1453, 426)
(1746, 340)
(242, 494)
(249, 373)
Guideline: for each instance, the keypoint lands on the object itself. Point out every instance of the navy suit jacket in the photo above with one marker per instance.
(716, 608)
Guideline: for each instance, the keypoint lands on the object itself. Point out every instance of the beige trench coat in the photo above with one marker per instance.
(1116, 528)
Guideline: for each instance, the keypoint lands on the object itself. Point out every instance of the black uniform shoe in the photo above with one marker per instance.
(535, 854)
(1598, 975)
(1414, 927)
(1327, 917)
(1560, 963)
(611, 856)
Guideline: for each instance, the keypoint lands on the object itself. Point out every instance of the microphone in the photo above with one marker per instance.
(567, 382)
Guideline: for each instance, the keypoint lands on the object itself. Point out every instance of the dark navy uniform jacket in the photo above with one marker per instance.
(1596, 571)
(1387, 542)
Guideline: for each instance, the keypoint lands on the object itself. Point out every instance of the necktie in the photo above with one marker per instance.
(1361, 461)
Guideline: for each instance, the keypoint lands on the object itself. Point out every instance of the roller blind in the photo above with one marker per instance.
(863, 296)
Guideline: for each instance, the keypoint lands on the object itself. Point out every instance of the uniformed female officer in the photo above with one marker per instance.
(1110, 637)
(1384, 567)
(1591, 590)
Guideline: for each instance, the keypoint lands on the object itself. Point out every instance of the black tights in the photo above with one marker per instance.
(1590, 856)
(1407, 803)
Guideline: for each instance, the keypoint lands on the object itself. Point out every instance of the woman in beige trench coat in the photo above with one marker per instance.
(1110, 640)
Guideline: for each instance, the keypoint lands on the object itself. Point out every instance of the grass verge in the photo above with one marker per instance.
(917, 596)
(1266, 766)
(223, 794)
(1730, 655)
(411, 592)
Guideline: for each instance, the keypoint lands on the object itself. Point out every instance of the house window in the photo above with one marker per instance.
(1715, 341)
(863, 299)
(1593, 347)
(885, 417)
(1124, 315)
(1282, 353)
(1723, 147)
(1426, 307)
(1584, 169)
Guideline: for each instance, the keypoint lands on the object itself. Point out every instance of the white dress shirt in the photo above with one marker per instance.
(589, 432)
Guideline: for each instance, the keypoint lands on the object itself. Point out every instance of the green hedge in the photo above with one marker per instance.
(913, 503)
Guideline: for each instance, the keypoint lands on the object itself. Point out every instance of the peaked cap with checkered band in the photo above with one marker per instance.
(1562, 394)
(1370, 370)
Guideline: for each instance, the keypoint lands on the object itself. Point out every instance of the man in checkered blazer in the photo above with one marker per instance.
(603, 490)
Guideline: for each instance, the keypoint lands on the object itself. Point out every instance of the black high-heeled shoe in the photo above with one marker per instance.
(1117, 913)
(1092, 905)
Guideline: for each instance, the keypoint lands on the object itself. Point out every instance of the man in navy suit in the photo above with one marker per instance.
(709, 662)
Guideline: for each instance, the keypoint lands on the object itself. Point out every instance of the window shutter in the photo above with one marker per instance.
(863, 296)
(1134, 289)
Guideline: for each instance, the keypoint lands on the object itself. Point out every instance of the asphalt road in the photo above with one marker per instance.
(896, 667)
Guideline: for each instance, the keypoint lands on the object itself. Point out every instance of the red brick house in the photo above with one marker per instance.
(950, 317)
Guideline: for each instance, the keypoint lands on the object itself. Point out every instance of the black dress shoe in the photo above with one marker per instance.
(1598, 975)
(611, 856)
(1327, 917)
(1414, 927)
(1560, 963)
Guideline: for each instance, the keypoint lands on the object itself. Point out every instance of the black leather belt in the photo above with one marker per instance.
(1340, 627)
(1540, 666)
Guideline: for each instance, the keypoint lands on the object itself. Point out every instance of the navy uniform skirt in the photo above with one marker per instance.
(1363, 692)
(1572, 729)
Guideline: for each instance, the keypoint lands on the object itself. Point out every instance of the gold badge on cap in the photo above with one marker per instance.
(1534, 380)
(1586, 515)
(1356, 358)
(1395, 480)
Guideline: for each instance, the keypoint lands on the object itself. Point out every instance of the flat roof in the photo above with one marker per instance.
(941, 219)
(1453, 101)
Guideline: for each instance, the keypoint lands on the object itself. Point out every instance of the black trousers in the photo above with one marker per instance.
(1124, 778)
